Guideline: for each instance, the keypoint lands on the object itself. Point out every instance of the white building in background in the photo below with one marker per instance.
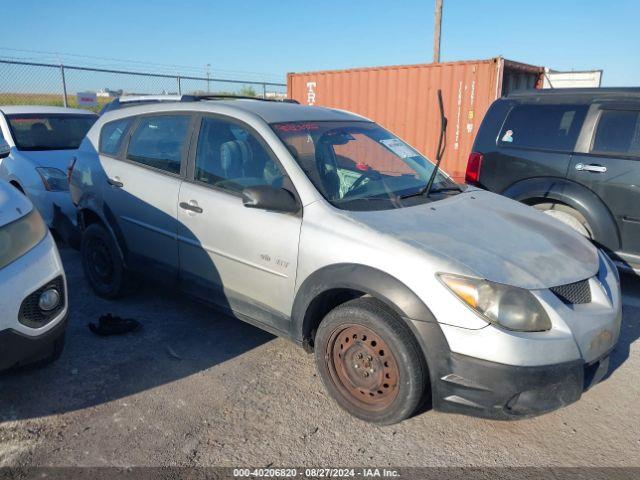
(573, 79)
(105, 92)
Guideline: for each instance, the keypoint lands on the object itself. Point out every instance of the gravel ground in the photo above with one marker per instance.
(194, 388)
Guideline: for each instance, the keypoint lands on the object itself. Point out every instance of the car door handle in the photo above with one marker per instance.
(115, 182)
(191, 207)
(591, 168)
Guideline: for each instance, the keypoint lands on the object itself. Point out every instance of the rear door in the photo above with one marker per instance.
(142, 188)
(609, 165)
(536, 140)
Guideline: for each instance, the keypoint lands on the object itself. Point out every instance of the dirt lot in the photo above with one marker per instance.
(196, 388)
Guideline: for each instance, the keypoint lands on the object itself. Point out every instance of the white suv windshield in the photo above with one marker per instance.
(359, 165)
(49, 131)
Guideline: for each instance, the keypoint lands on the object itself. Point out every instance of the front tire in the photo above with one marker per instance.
(103, 267)
(370, 362)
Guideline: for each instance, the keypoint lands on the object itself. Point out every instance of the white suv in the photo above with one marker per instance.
(317, 225)
(33, 304)
(43, 141)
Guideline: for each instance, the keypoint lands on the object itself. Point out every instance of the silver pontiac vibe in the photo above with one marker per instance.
(314, 224)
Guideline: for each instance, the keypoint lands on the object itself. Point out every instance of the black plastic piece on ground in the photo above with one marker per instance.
(113, 325)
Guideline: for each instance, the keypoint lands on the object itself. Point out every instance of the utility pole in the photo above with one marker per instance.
(208, 76)
(436, 31)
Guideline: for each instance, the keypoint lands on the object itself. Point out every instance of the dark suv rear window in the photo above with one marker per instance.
(618, 132)
(543, 127)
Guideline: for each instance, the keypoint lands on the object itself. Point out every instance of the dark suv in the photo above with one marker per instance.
(572, 153)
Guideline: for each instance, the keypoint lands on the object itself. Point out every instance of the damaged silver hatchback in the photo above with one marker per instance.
(321, 226)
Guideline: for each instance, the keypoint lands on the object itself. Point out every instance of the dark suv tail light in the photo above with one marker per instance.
(474, 164)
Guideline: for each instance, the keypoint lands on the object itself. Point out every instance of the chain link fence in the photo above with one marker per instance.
(30, 83)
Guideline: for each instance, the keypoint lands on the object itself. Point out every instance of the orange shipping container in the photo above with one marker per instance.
(403, 99)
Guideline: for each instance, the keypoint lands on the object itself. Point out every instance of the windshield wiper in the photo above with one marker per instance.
(422, 190)
(442, 143)
(447, 189)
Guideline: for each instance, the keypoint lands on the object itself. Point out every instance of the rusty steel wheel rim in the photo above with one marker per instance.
(362, 367)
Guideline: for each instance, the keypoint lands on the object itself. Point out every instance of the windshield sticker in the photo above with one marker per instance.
(296, 127)
(508, 136)
(398, 147)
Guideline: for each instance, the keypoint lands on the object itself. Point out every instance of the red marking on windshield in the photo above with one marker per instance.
(26, 120)
(296, 127)
(362, 166)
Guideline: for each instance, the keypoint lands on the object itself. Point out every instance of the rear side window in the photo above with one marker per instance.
(158, 142)
(543, 127)
(112, 134)
(618, 132)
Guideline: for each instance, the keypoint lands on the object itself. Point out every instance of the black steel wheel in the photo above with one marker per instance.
(102, 264)
(370, 362)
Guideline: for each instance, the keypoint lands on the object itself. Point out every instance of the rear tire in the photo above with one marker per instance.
(567, 215)
(370, 362)
(102, 264)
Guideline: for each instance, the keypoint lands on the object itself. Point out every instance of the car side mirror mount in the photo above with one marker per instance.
(5, 149)
(271, 198)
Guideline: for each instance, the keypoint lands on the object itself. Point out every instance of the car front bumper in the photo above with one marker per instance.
(481, 388)
(58, 212)
(18, 349)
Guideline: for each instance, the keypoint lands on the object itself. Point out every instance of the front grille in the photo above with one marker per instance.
(574, 293)
(30, 313)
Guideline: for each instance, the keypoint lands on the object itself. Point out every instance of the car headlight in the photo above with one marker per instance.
(510, 307)
(54, 180)
(20, 236)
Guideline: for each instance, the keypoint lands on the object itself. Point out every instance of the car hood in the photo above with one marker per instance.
(493, 237)
(13, 204)
(59, 159)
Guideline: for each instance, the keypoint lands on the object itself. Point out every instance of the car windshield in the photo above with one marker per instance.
(49, 131)
(360, 165)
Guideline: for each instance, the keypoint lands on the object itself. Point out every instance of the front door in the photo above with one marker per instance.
(611, 169)
(142, 191)
(242, 259)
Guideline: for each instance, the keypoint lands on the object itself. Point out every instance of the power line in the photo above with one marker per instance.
(174, 68)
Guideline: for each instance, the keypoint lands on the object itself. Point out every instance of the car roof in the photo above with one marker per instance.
(575, 95)
(29, 109)
(148, 98)
(269, 111)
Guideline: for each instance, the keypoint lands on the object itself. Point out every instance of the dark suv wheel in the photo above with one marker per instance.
(102, 264)
(370, 362)
(567, 215)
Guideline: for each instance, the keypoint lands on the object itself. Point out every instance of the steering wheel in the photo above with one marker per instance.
(367, 174)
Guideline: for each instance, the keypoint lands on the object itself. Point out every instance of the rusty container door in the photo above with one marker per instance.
(403, 100)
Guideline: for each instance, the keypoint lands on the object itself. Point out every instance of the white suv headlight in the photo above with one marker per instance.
(510, 307)
(20, 236)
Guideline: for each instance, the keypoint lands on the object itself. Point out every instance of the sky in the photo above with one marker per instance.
(265, 40)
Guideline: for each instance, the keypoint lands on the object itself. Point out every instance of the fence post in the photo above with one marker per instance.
(264, 90)
(179, 86)
(64, 87)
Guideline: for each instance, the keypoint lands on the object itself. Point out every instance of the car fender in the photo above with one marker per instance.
(369, 280)
(585, 201)
(91, 203)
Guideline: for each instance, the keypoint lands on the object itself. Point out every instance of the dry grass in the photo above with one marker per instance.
(49, 99)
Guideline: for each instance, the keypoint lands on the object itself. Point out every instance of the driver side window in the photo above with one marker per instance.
(230, 157)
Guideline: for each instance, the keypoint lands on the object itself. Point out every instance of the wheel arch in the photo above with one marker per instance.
(89, 213)
(332, 285)
(585, 201)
